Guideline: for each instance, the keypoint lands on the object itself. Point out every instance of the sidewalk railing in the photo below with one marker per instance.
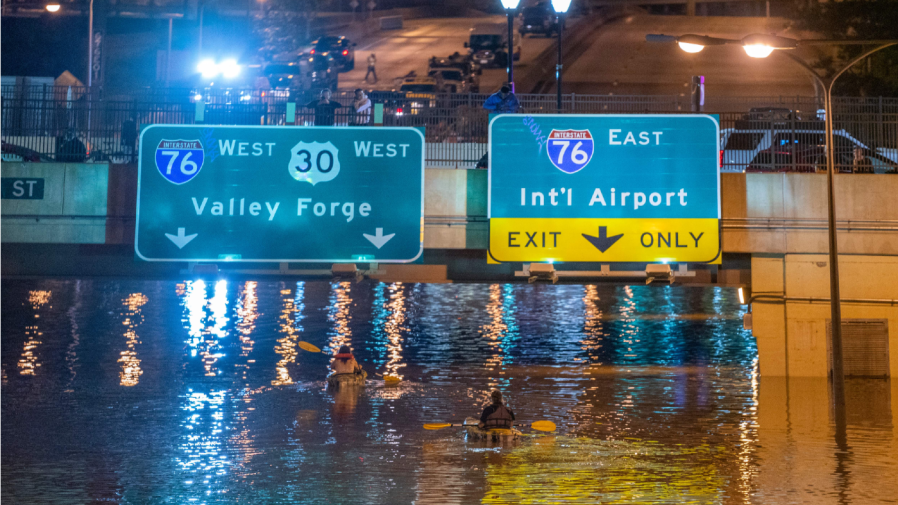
(74, 124)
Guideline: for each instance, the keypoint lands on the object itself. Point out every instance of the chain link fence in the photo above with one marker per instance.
(47, 123)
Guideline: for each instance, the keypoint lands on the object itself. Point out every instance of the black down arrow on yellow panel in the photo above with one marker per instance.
(603, 242)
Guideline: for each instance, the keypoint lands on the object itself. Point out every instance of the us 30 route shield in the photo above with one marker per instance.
(284, 194)
(604, 188)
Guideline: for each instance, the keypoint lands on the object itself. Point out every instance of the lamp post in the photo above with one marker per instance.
(761, 46)
(561, 7)
(90, 45)
(510, 8)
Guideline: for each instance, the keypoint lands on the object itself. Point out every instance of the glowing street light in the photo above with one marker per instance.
(690, 48)
(758, 50)
(53, 7)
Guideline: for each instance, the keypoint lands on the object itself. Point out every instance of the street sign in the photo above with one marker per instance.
(280, 194)
(604, 188)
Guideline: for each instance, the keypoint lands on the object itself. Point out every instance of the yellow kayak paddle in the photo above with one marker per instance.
(538, 425)
(305, 346)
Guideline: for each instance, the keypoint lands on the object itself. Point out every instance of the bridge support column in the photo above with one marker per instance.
(790, 314)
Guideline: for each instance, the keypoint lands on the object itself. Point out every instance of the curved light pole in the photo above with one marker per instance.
(561, 7)
(510, 8)
(761, 46)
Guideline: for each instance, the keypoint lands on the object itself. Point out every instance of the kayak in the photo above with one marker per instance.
(347, 379)
(494, 434)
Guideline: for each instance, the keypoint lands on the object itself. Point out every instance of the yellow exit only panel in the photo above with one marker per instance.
(605, 240)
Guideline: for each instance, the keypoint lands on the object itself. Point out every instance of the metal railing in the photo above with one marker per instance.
(767, 134)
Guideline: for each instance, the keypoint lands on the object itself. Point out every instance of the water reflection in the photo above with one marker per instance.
(592, 324)
(203, 463)
(247, 313)
(340, 316)
(205, 339)
(131, 372)
(502, 328)
(28, 363)
(71, 356)
(290, 328)
(395, 329)
(688, 419)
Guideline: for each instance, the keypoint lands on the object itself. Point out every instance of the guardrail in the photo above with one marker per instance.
(46, 123)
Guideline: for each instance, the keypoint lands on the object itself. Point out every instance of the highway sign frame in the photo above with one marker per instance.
(377, 230)
(538, 169)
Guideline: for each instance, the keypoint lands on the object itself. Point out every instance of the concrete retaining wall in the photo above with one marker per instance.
(72, 210)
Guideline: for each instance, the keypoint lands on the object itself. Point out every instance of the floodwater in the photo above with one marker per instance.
(197, 392)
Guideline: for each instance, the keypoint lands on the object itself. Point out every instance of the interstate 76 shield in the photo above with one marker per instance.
(179, 160)
(570, 150)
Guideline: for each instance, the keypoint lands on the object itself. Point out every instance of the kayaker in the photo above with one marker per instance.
(344, 362)
(496, 415)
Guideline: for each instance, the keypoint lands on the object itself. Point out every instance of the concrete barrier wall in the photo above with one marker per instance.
(787, 213)
(455, 209)
(72, 209)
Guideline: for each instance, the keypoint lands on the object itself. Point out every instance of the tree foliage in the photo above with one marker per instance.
(853, 20)
(282, 27)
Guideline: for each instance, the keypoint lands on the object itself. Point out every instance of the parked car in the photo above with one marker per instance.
(539, 18)
(810, 159)
(339, 48)
(740, 146)
(488, 44)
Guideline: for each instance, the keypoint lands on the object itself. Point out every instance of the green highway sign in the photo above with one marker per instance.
(604, 188)
(280, 194)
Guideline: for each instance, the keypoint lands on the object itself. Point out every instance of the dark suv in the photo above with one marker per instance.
(338, 48)
(539, 18)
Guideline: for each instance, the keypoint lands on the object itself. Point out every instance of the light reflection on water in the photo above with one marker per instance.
(28, 363)
(655, 390)
(131, 372)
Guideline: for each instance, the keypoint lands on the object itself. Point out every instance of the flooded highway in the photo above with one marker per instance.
(198, 391)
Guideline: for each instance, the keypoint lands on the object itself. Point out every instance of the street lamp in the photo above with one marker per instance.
(54, 7)
(510, 7)
(561, 7)
(761, 46)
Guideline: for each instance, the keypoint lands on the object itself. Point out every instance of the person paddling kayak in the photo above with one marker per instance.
(496, 415)
(346, 370)
(344, 362)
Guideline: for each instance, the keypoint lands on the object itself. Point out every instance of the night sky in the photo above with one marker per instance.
(49, 45)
